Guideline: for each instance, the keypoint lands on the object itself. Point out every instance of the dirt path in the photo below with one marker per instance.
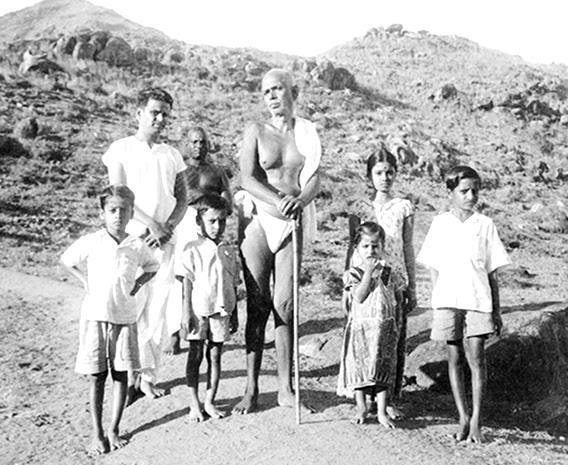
(44, 409)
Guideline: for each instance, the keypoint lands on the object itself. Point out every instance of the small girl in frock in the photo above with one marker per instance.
(368, 361)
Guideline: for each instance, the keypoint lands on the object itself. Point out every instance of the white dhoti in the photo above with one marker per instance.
(152, 302)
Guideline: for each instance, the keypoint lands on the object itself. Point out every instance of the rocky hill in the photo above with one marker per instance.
(52, 18)
(435, 100)
(69, 72)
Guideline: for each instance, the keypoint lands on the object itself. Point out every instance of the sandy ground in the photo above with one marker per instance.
(44, 406)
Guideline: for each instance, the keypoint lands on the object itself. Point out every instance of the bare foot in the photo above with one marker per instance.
(173, 347)
(474, 435)
(248, 404)
(98, 446)
(288, 399)
(150, 390)
(463, 431)
(213, 411)
(360, 417)
(384, 420)
(195, 415)
(394, 412)
(115, 441)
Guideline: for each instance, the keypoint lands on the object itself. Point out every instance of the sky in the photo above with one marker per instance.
(533, 29)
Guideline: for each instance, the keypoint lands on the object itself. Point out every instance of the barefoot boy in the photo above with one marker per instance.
(108, 335)
(211, 272)
(463, 251)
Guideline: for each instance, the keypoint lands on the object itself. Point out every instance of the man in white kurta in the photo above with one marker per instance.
(155, 173)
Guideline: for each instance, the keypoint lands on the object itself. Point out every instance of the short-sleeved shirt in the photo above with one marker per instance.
(463, 254)
(150, 173)
(214, 271)
(111, 273)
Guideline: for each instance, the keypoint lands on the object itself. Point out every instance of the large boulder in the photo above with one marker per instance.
(527, 365)
(331, 77)
(64, 46)
(84, 51)
(117, 52)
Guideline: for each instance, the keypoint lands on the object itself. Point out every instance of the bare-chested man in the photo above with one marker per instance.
(279, 172)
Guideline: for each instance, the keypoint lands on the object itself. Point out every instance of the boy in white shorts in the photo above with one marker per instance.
(108, 335)
(211, 273)
(464, 252)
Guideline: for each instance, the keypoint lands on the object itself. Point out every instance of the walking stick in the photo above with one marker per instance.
(296, 309)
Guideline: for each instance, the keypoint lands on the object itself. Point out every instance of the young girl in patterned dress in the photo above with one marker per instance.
(371, 335)
(396, 216)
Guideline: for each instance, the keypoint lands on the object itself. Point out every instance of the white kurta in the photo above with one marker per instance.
(150, 173)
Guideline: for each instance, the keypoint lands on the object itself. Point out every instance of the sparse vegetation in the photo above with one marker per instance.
(506, 118)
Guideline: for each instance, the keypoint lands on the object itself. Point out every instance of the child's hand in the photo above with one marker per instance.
(372, 264)
(409, 300)
(190, 323)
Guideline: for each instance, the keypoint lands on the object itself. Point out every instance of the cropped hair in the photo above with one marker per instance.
(457, 173)
(199, 130)
(382, 155)
(284, 75)
(153, 93)
(210, 201)
(116, 190)
(369, 228)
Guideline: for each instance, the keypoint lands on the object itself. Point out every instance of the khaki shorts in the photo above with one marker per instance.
(104, 345)
(450, 324)
(214, 328)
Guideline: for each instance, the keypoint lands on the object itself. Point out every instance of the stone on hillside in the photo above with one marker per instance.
(254, 69)
(202, 72)
(564, 120)
(446, 92)
(173, 56)
(99, 39)
(343, 79)
(84, 51)
(64, 46)
(333, 78)
(400, 149)
(141, 54)
(27, 128)
(120, 100)
(305, 66)
(395, 29)
(117, 52)
(38, 63)
(11, 148)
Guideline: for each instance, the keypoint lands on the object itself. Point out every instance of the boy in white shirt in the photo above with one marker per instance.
(108, 334)
(463, 251)
(211, 273)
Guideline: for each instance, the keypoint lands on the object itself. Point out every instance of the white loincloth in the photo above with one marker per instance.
(276, 229)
